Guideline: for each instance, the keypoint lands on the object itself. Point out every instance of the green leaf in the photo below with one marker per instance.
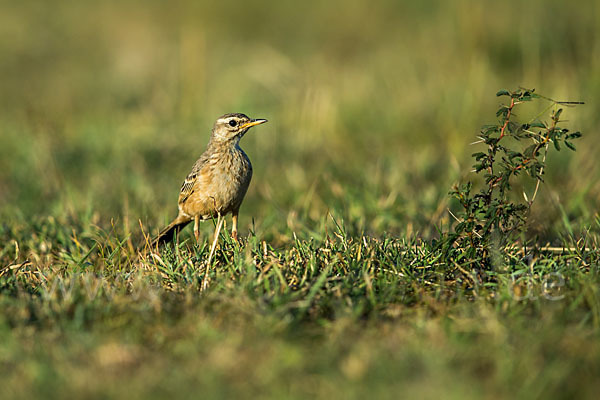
(528, 152)
(570, 145)
(556, 145)
(556, 114)
(538, 124)
(512, 154)
(503, 92)
(512, 127)
(487, 129)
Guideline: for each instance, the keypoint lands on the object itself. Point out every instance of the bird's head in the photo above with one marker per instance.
(233, 126)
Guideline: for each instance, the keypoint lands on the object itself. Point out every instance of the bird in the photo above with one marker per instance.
(218, 181)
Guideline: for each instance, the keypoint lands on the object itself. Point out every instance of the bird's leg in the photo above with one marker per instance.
(234, 220)
(196, 232)
(212, 250)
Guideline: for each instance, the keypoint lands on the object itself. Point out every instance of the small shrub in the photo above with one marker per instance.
(492, 218)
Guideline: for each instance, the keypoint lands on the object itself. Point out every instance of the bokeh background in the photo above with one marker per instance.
(104, 106)
(372, 106)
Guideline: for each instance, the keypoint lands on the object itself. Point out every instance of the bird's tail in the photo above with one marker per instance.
(166, 235)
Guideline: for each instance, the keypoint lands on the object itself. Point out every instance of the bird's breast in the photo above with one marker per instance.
(230, 174)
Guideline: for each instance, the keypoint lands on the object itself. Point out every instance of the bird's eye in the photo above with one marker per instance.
(233, 122)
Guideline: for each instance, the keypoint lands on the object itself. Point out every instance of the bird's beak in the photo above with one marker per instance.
(253, 123)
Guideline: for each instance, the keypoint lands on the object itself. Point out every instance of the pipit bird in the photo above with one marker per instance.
(218, 181)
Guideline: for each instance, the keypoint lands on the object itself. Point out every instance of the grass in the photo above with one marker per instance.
(339, 288)
(337, 317)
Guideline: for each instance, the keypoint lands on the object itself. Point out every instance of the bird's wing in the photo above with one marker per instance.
(190, 183)
(188, 186)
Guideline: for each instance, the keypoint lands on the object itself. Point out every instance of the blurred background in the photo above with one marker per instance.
(105, 106)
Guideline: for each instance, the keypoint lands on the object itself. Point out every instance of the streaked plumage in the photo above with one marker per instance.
(219, 179)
